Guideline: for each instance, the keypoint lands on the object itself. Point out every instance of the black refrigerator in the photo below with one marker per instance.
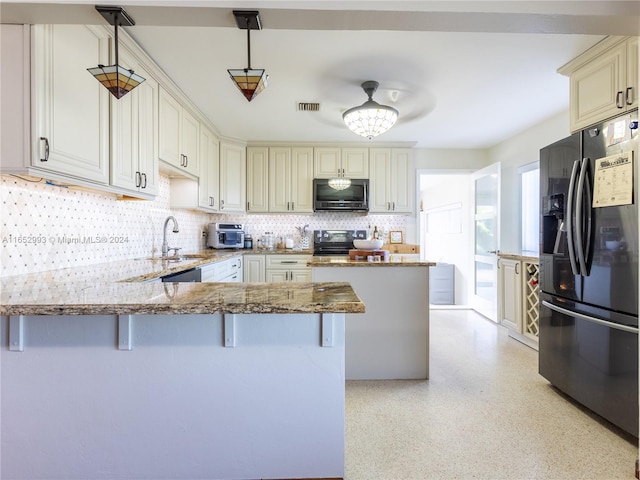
(588, 337)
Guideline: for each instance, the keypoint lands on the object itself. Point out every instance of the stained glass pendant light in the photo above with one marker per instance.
(118, 80)
(250, 81)
(370, 119)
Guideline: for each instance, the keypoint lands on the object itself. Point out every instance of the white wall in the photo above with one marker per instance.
(513, 153)
(450, 159)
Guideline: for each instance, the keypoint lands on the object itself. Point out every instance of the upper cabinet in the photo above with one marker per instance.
(71, 129)
(232, 177)
(209, 160)
(330, 162)
(391, 180)
(257, 179)
(179, 136)
(603, 81)
(134, 134)
(291, 179)
(71, 108)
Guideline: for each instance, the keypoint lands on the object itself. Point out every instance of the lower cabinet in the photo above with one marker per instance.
(229, 270)
(518, 298)
(276, 268)
(287, 268)
(254, 268)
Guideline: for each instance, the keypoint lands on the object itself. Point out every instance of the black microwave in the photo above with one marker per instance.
(354, 198)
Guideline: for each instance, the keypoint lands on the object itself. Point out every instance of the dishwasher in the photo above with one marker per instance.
(189, 276)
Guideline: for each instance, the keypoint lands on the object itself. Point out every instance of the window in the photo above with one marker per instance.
(530, 207)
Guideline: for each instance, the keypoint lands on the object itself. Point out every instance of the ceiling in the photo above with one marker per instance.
(463, 74)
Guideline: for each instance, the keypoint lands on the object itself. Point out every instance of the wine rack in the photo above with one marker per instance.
(531, 319)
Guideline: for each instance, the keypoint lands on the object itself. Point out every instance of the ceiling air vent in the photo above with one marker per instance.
(308, 107)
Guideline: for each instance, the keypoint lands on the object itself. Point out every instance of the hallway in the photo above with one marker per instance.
(485, 413)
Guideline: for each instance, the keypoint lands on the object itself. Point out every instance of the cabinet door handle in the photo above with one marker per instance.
(517, 269)
(619, 102)
(221, 204)
(292, 206)
(629, 95)
(46, 149)
(388, 205)
(138, 180)
(186, 161)
(248, 206)
(211, 201)
(144, 177)
(393, 206)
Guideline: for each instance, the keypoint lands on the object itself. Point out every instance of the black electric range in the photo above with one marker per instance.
(335, 242)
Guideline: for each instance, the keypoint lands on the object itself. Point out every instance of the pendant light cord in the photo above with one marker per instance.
(115, 23)
(248, 46)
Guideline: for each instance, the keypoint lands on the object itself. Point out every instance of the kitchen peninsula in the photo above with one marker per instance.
(391, 340)
(103, 378)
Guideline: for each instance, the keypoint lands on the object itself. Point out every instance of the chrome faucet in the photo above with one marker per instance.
(165, 246)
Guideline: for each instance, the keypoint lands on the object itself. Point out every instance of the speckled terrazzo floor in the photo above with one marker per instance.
(485, 413)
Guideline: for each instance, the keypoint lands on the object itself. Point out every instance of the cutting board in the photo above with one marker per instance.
(355, 254)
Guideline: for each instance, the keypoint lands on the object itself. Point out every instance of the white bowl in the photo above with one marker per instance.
(367, 244)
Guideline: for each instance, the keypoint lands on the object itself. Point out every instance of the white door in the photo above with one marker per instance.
(486, 215)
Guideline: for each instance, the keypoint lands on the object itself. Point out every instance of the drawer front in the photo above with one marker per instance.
(286, 261)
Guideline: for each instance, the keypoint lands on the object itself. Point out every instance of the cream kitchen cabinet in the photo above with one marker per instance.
(603, 81)
(203, 193)
(390, 180)
(291, 179)
(71, 108)
(257, 179)
(254, 268)
(179, 136)
(233, 176)
(331, 162)
(208, 181)
(510, 285)
(228, 270)
(518, 298)
(287, 268)
(134, 135)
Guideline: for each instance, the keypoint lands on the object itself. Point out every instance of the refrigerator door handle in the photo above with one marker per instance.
(570, 218)
(588, 229)
(580, 231)
(564, 311)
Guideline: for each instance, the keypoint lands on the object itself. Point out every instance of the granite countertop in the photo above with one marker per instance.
(527, 256)
(132, 287)
(344, 261)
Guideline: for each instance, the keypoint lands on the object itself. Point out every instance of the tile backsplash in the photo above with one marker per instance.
(48, 227)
